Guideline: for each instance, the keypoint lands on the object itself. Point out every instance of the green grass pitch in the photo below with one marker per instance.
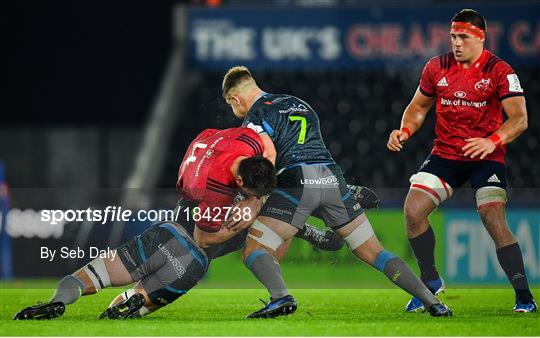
(321, 312)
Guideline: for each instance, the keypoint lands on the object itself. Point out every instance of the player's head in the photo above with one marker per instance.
(256, 176)
(467, 34)
(239, 89)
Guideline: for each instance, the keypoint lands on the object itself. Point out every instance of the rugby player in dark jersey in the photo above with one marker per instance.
(308, 180)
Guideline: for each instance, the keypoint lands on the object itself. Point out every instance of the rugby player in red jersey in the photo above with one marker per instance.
(471, 87)
(210, 179)
(169, 258)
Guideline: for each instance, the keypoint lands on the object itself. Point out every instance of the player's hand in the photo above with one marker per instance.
(249, 208)
(396, 140)
(478, 147)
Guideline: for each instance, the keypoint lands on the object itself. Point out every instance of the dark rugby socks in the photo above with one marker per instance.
(68, 290)
(511, 261)
(424, 249)
(400, 274)
(267, 270)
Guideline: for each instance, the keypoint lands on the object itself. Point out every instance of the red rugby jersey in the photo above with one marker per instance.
(468, 101)
(204, 175)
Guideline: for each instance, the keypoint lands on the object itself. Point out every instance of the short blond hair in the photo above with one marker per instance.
(234, 77)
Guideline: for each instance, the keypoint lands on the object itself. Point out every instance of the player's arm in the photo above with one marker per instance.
(228, 223)
(269, 148)
(516, 110)
(413, 118)
(516, 124)
(261, 121)
(205, 239)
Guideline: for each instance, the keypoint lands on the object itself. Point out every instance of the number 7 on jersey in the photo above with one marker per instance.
(303, 124)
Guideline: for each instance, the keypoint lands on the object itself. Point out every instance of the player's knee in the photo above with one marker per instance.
(98, 274)
(432, 186)
(413, 215)
(360, 235)
(487, 197)
(264, 236)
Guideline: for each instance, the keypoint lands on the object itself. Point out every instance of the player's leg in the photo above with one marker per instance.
(490, 181)
(364, 244)
(347, 218)
(328, 240)
(174, 268)
(129, 264)
(264, 244)
(265, 241)
(417, 208)
(94, 276)
(281, 217)
(432, 185)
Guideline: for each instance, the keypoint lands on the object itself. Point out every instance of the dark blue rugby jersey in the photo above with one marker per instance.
(292, 125)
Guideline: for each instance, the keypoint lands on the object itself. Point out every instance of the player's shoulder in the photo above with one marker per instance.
(441, 62)
(245, 132)
(206, 133)
(495, 64)
(242, 139)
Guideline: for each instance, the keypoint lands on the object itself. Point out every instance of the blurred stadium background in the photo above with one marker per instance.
(105, 97)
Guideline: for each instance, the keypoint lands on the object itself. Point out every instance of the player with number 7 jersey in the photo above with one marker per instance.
(308, 181)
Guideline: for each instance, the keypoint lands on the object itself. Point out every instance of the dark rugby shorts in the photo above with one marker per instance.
(166, 260)
(456, 173)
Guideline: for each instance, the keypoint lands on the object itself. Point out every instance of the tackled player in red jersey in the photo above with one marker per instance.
(215, 168)
(213, 172)
(471, 87)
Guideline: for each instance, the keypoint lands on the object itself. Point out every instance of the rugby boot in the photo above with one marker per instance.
(439, 310)
(435, 286)
(326, 240)
(128, 308)
(367, 198)
(525, 306)
(276, 307)
(41, 311)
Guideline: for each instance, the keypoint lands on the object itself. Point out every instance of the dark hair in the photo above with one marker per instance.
(471, 16)
(234, 76)
(258, 174)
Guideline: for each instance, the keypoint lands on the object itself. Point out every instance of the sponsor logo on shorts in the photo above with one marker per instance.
(494, 179)
(356, 207)
(278, 211)
(177, 266)
(128, 256)
(330, 180)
